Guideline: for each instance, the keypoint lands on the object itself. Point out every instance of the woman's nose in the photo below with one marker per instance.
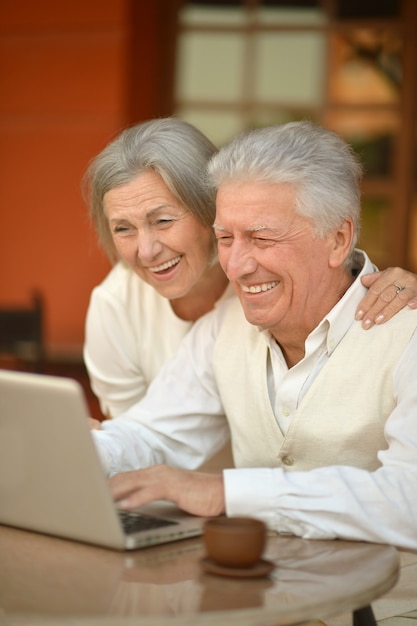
(148, 246)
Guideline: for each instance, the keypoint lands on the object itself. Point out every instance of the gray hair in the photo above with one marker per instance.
(323, 168)
(174, 149)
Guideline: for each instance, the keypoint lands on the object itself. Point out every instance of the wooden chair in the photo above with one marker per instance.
(22, 333)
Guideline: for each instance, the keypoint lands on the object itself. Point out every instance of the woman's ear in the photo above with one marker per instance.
(341, 241)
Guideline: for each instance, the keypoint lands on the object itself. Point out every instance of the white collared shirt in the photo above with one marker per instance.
(286, 386)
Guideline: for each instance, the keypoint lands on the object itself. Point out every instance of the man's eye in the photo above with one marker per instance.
(163, 221)
(224, 238)
(263, 241)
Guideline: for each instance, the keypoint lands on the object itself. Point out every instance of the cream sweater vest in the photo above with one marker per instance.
(340, 420)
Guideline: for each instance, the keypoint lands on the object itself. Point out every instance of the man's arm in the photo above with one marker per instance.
(323, 503)
(180, 421)
(388, 292)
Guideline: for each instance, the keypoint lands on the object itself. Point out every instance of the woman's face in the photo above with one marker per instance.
(157, 236)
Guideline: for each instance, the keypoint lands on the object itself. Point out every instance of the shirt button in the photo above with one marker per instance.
(288, 460)
(331, 344)
(286, 411)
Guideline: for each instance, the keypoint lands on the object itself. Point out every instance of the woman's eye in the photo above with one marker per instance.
(120, 229)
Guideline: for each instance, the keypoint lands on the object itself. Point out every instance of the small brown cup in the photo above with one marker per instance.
(235, 542)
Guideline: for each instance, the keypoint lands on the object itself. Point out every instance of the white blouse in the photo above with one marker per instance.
(131, 331)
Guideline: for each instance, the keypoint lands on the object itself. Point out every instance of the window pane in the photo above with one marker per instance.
(200, 57)
(291, 16)
(367, 67)
(219, 126)
(279, 115)
(372, 135)
(303, 85)
(216, 15)
(374, 229)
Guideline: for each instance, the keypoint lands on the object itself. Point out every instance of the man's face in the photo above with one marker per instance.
(279, 268)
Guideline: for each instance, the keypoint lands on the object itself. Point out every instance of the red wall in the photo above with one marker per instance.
(64, 85)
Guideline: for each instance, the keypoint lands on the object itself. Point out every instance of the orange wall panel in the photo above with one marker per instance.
(66, 89)
(27, 14)
(64, 95)
(47, 241)
(62, 73)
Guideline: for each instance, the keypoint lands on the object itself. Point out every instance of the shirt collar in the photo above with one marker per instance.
(341, 317)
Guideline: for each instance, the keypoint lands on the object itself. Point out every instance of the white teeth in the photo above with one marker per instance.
(259, 288)
(165, 266)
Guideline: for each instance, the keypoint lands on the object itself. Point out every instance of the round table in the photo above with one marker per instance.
(43, 579)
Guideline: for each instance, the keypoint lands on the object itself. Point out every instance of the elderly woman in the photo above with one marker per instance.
(154, 215)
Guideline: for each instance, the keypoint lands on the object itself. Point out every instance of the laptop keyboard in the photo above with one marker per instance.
(134, 522)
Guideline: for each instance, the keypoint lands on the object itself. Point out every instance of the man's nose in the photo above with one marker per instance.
(240, 261)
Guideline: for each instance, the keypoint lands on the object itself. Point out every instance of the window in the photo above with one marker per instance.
(350, 65)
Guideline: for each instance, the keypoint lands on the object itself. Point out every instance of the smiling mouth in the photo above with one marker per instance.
(165, 266)
(259, 288)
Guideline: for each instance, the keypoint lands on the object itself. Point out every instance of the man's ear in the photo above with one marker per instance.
(341, 241)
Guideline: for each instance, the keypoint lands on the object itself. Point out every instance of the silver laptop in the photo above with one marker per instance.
(51, 479)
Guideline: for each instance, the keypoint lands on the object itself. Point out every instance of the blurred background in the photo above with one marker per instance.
(73, 73)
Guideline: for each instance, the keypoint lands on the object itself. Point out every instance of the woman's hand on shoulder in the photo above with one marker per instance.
(388, 292)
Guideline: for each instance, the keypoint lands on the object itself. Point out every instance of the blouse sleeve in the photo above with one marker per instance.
(110, 355)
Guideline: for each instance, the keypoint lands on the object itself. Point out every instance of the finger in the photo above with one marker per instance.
(388, 304)
(390, 276)
(376, 277)
(194, 492)
(398, 302)
(140, 486)
(382, 285)
(123, 484)
(139, 497)
(375, 300)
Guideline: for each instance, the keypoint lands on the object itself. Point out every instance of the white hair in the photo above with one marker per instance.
(323, 169)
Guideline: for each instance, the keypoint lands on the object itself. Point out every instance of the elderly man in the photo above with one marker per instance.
(322, 414)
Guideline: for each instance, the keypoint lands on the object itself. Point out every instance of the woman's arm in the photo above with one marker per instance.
(111, 355)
